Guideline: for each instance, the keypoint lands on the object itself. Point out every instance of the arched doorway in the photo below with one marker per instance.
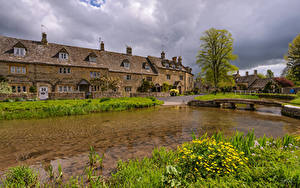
(84, 86)
(157, 88)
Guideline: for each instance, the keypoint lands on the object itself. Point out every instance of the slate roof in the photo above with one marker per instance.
(161, 63)
(260, 83)
(37, 53)
(250, 79)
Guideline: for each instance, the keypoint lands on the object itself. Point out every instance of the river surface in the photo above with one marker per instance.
(125, 135)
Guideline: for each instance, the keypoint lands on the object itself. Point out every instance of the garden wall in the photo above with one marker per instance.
(291, 111)
(14, 96)
(97, 95)
(75, 95)
(150, 94)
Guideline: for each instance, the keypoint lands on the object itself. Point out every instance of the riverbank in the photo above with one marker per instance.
(215, 161)
(53, 108)
(225, 96)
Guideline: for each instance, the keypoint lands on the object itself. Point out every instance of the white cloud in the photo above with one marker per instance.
(276, 65)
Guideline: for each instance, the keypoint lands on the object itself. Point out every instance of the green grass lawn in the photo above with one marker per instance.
(225, 96)
(295, 102)
(216, 161)
(51, 108)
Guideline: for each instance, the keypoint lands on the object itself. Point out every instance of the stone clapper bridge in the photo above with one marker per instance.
(231, 103)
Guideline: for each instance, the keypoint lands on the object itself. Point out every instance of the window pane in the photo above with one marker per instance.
(24, 70)
(19, 89)
(12, 69)
(13, 88)
(69, 70)
(65, 88)
(24, 88)
(18, 70)
(65, 71)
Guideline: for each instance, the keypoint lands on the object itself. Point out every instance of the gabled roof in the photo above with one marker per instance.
(19, 45)
(246, 79)
(160, 63)
(46, 54)
(283, 82)
(260, 83)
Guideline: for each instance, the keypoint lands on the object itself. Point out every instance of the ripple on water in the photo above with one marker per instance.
(124, 135)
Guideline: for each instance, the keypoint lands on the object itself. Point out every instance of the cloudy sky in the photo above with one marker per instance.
(262, 29)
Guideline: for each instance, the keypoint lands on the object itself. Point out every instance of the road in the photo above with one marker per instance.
(178, 100)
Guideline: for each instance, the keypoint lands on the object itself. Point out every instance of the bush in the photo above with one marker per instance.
(20, 99)
(104, 99)
(208, 158)
(21, 176)
(298, 94)
(32, 89)
(174, 92)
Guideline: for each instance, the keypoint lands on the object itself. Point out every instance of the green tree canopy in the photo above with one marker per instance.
(269, 74)
(293, 60)
(214, 56)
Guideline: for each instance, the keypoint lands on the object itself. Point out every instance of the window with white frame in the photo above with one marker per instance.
(181, 77)
(95, 74)
(19, 89)
(64, 70)
(128, 89)
(127, 65)
(128, 77)
(63, 56)
(65, 89)
(92, 59)
(19, 51)
(17, 70)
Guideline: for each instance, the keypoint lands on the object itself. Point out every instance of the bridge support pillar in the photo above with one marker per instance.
(251, 107)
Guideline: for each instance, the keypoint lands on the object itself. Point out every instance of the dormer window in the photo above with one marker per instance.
(63, 56)
(92, 59)
(125, 63)
(19, 51)
(146, 66)
(173, 66)
(167, 66)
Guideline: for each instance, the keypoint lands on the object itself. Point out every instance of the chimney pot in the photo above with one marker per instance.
(179, 59)
(102, 46)
(129, 50)
(174, 59)
(44, 38)
(255, 72)
(247, 73)
(163, 55)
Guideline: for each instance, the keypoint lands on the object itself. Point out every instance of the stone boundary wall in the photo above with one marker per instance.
(150, 94)
(97, 95)
(25, 96)
(291, 111)
(203, 103)
(75, 95)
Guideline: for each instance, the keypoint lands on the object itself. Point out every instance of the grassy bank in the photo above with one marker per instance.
(216, 161)
(225, 96)
(295, 102)
(52, 108)
(276, 95)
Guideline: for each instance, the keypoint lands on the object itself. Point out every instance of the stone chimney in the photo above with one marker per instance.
(128, 50)
(238, 72)
(102, 46)
(163, 55)
(247, 73)
(174, 59)
(255, 72)
(44, 39)
(180, 60)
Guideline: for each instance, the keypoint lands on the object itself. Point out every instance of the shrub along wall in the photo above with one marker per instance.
(150, 94)
(15, 96)
(97, 95)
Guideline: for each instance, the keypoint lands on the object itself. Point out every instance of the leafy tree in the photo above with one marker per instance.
(261, 76)
(106, 83)
(293, 60)
(146, 86)
(216, 52)
(269, 74)
(5, 88)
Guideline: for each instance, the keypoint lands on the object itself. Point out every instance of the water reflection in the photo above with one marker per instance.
(124, 135)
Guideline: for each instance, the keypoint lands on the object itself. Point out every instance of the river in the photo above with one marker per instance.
(125, 135)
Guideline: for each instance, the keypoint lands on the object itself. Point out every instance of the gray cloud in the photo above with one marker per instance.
(261, 29)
